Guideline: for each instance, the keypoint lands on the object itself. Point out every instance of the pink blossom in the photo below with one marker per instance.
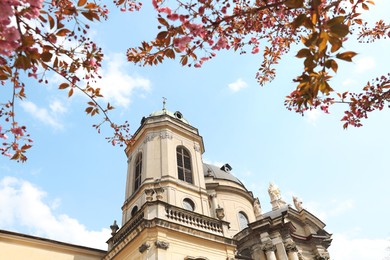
(173, 17)
(154, 3)
(182, 42)
(255, 50)
(17, 131)
(222, 43)
(166, 10)
(197, 65)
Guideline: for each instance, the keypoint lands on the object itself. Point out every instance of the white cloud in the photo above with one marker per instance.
(46, 116)
(345, 248)
(22, 205)
(237, 85)
(365, 64)
(116, 85)
(312, 116)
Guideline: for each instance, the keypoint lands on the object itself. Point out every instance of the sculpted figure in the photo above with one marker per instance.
(297, 203)
(257, 208)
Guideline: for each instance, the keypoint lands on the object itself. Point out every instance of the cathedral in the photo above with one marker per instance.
(179, 208)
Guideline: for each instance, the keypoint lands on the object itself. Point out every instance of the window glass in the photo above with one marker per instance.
(184, 164)
(138, 171)
(188, 204)
(243, 220)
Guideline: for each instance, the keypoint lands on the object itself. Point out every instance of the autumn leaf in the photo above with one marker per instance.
(347, 56)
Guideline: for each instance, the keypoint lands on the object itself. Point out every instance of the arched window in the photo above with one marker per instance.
(243, 220)
(138, 171)
(134, 210)
(188, 204)
(184, 164)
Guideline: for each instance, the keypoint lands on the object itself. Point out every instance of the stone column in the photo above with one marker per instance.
(291, 249)
(214, 203)
(269, 250)
(258, 253)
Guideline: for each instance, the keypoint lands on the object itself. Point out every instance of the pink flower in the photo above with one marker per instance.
(166, 10)
(17, 131)
(173, 17)
(182, 42)
(255, 50)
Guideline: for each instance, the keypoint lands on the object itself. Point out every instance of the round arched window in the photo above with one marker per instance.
(188, 204)
(134, 210)
(243, 220)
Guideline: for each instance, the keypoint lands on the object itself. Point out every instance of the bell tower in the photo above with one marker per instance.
(166, 201)
(165, 159)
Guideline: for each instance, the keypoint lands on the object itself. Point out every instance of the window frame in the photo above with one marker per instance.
(190, 203)
(184, 165)
(240, 220)
(137, 172)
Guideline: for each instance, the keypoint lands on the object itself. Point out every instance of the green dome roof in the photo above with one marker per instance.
(176, 115)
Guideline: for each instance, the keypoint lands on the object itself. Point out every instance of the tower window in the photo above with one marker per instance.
(243, 220)
(188, 204)
(134, 210)
(138, 171)
(184, 164)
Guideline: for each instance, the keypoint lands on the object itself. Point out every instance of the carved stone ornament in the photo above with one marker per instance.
(257, 208)
(220, 212)
(114, 228)
(145, 246)
(196, 148)
(322, 256)
(149, 138)
(290, 246)
(149, 194)
(268, 247)
(166, 135)
(159, 191)
(297, 203)
(161, 244)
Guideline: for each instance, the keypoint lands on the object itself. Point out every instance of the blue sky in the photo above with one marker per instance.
(72, 186)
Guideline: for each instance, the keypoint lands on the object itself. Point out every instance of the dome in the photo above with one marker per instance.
(217, 173)
(177, 115)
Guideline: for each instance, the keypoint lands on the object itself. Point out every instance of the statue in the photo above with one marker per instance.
(297, 203)
(257, 208)
(276, 199)
(274, 192)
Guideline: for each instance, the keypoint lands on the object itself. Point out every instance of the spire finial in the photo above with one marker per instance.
(164, 102)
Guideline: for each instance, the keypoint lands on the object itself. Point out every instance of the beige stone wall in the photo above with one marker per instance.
(181, 245)
(21, 247)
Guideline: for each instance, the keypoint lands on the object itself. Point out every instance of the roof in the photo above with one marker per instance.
(217, 173)
(177, 115)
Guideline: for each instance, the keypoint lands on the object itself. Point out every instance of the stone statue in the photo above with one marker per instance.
(297, 203)
(276, 199)
(257, 208)
(274, 192)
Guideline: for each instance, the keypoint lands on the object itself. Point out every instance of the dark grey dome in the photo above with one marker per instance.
(218, 173)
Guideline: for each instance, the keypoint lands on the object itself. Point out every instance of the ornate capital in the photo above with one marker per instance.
(149, 137)
(166, 135)
(322, 256)
(159, 191)
(290, 245)
(149, 194)
(268, 247)
(145, 246)
(161, 244)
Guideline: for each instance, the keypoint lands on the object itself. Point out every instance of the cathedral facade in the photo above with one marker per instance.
(178, 207)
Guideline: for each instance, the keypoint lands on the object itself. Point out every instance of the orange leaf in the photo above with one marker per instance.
(81, 2)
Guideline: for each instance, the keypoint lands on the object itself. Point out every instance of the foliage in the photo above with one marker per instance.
(38, 37)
